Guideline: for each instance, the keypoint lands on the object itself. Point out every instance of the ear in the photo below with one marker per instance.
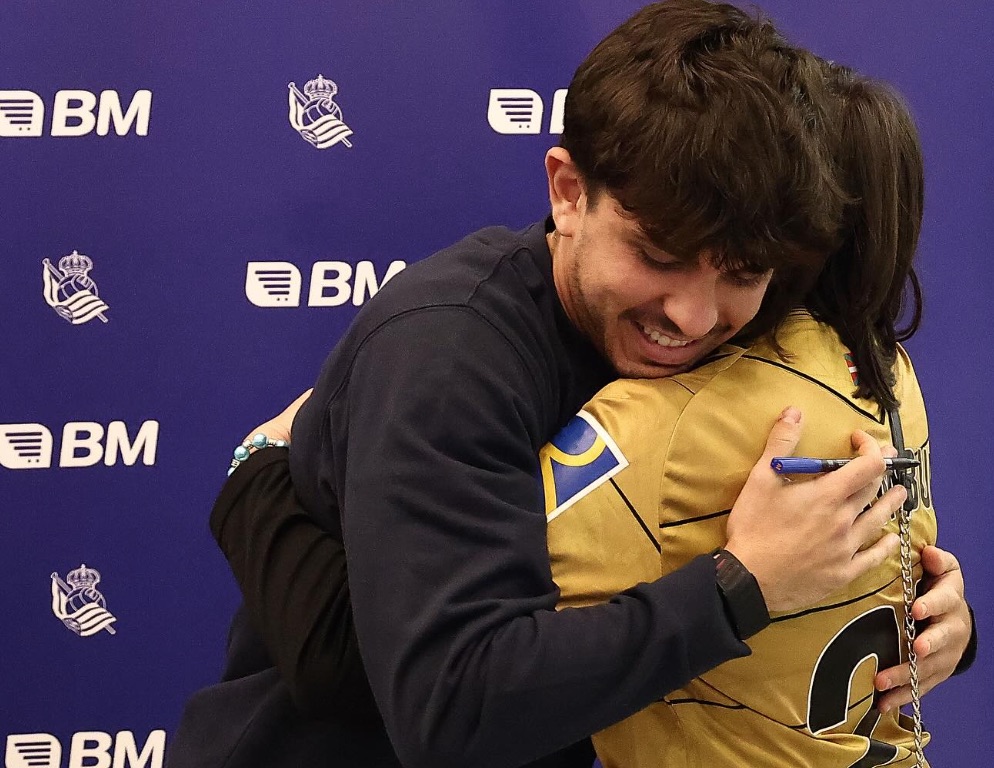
(567, 190)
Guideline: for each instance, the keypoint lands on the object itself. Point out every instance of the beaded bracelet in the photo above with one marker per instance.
(250, 446)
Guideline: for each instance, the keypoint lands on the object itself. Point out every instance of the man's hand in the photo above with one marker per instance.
(941, 644)
(805, 540)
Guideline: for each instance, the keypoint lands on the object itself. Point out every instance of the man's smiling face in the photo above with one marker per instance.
(649, 313)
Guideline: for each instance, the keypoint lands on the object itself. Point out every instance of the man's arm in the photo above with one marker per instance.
(454, 604)
(452, 594)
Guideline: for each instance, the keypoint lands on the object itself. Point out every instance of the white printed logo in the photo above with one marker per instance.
(74, 113)
(21, 113)
(272, 284)
(79, 604)
(25, 446)
(518, 111)
(96, 749)
(315, 115)
(29, 446)
(332, 283)
(70, 291)
(33, 750)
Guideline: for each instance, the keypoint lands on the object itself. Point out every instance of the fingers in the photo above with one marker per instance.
(934, 666)
(933, 639)
(895, 683)
(895, 687)
(939, 646)
(891, 678)
(869, 524)
(867, 468)
(896, 697)
(938, 561)
(944, 596)
(950, 626)
(875, 555)
(945, 593)
(858, 481)
(784, 436)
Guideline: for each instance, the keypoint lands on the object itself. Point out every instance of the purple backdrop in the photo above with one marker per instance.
(230, 237)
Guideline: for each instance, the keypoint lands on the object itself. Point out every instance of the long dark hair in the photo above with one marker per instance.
(869, 284)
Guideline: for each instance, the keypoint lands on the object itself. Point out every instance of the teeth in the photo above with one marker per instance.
(661, 340)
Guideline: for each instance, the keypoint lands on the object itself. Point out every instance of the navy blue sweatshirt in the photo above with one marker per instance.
(419, 447)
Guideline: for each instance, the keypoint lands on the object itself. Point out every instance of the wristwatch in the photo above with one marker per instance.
(741, 595)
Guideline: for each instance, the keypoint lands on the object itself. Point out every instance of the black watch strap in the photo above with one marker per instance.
(741, 595)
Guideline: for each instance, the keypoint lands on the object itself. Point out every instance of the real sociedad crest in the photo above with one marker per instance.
(79, 605)
(315, 115)
(70, 290)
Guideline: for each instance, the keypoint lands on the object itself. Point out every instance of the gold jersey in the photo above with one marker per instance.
(641, 482)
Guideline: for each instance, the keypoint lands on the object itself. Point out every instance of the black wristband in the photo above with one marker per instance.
(740, 592)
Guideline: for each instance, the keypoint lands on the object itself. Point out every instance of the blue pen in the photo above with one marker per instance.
(800, 465)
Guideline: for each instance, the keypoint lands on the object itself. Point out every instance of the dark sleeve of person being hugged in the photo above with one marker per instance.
(296, 585)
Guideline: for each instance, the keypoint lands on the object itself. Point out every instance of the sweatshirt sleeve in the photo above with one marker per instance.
(296, 590)
(452, 593)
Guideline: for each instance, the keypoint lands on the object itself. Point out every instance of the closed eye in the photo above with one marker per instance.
(747, 278)
(655, 263)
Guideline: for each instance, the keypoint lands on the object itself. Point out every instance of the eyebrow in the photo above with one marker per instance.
(643, 242)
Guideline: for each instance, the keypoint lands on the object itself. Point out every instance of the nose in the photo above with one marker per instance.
(692, 303)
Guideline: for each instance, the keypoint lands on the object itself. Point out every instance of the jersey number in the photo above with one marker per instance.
(875, 634)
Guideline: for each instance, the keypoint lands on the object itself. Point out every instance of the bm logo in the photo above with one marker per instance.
(87, 749)
(332, 283)
(74, 113)
(84, 443)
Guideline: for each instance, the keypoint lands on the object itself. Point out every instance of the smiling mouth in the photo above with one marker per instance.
(662, 339)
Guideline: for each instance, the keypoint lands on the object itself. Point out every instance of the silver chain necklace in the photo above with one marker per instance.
(908, 583)
(908, 586)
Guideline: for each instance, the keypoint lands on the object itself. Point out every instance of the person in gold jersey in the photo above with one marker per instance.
(643, 478)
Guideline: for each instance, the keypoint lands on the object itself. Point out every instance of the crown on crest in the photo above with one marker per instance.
(75, 264)
(320, 87)
(83, 577)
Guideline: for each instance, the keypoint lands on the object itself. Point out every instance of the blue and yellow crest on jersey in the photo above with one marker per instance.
(577, 460)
